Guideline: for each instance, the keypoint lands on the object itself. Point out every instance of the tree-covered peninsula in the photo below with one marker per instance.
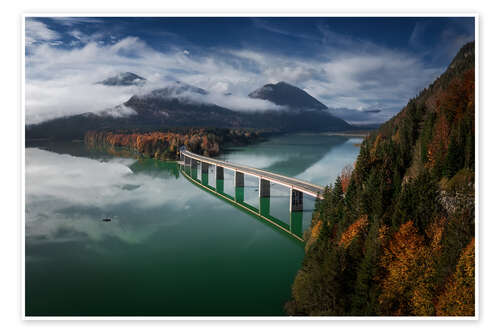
(165, 145)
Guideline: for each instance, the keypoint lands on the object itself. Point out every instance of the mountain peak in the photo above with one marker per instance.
(283, 83)
(123, 79)
(283, 93)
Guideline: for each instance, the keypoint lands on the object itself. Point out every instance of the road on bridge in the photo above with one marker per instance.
(296, 184)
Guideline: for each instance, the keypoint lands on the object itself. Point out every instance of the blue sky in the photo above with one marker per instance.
(349, 64)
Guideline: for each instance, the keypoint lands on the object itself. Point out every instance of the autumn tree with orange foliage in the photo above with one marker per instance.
(166, 145)
(458, 298)
(345, 177)
(353, 231)
(407, 287)
(395, 236)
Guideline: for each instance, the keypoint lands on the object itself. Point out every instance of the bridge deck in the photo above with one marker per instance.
(297, 184)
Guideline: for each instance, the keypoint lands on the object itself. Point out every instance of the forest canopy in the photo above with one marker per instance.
(394, 236)
(165, 145)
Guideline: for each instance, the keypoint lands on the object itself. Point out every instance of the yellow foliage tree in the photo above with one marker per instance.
(353, 230)
(407, 288)
(459, 297)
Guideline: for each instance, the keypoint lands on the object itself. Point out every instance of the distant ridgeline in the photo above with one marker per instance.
(165, 145)
(396, 235)
(169, 108)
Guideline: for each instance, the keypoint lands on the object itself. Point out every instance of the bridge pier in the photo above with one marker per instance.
(296, 211)
(187, 164)
(204, 173)
(264, 188)
(219, 173)
(296, 223)
(239, 179)
(239, 186)
(219, 179)
(194, 168)
(264, 197)
(296, 201)
(204, 167)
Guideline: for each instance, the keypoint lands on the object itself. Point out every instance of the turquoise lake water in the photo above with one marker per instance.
(171, 247)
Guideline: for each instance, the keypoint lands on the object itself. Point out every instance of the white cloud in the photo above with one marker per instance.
(239, 103)
(72, 21)
(37, 32)
(60, 81)
(119, 111)
(62, 97)
(59, 184)
(417, 35)
(350, 78)
(361, 116)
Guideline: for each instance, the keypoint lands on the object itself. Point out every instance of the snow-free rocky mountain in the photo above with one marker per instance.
(178, 105)
(285, 94)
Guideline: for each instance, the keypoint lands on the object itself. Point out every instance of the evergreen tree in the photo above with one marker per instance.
(392, 244)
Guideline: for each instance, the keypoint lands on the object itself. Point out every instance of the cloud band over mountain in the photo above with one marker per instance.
(66, 56)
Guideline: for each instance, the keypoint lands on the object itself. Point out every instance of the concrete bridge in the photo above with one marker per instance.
(297, 188)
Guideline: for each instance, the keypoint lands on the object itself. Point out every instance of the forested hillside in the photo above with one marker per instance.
(165, 145)
(396, 235)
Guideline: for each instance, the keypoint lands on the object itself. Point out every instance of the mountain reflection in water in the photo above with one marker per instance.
(170, 248)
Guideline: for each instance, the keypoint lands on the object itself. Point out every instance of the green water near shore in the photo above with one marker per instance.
(171, 248)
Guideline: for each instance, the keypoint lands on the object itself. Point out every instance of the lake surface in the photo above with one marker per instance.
(171, 247)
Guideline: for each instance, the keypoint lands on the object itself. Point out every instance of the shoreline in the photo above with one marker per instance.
(360, 134)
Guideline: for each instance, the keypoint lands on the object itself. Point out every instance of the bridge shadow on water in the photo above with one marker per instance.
(292, 228)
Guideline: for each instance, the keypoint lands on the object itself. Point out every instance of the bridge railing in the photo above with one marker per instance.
(257, 172)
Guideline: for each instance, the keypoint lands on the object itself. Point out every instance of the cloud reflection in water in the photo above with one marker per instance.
(67, 197)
